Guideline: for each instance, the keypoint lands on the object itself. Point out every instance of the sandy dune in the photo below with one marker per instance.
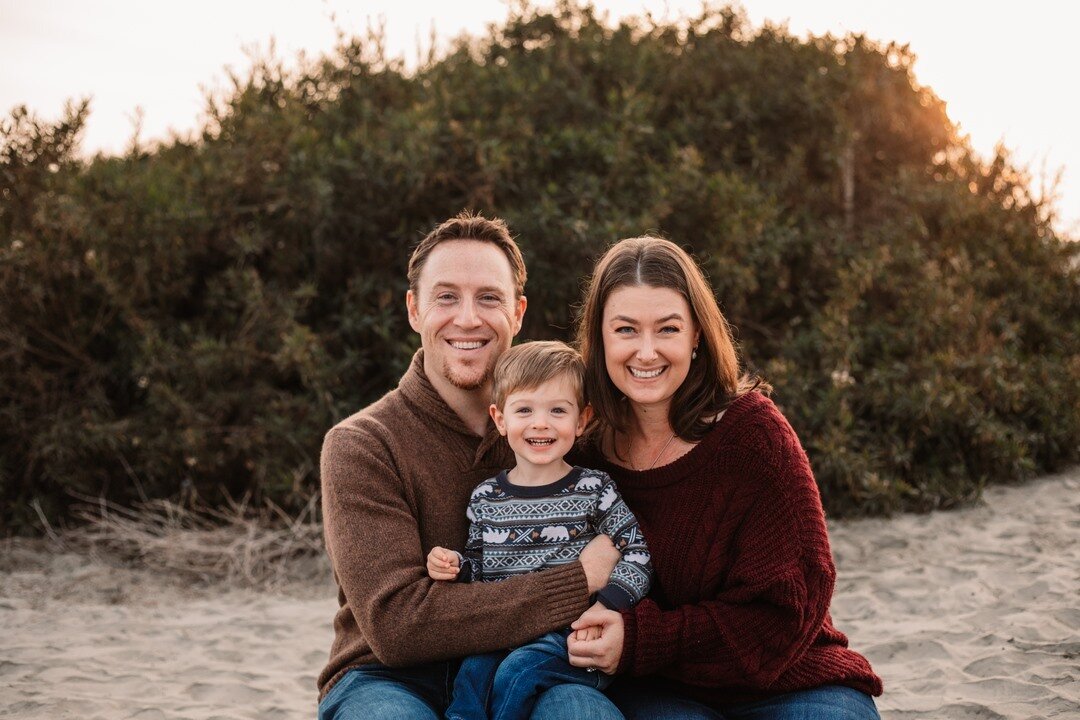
(969, 614)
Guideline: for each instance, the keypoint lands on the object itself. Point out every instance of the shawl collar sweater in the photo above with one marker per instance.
(396, 479)
(743, 570)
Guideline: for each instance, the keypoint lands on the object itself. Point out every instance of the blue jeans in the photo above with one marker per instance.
(505, 685)
(830, 702)
(376, 692)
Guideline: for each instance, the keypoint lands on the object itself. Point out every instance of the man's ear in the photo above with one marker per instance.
(519, 312)
(583, 419)
(414, 311)
(497, 416)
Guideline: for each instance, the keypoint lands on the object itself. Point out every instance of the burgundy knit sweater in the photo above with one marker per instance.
(744, 575)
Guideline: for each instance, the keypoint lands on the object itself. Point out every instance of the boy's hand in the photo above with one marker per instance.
(442, 564)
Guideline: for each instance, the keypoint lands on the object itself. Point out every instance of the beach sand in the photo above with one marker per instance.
(967, 614)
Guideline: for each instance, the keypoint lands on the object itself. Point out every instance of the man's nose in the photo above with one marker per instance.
(467, 315)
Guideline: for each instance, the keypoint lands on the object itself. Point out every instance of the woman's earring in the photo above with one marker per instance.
(693, 355)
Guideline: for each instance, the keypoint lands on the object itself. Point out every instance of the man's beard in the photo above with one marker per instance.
(467, 384)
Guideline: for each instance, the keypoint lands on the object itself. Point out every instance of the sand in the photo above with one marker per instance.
(966, 614)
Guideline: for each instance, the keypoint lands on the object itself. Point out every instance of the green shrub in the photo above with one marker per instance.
(188, 319)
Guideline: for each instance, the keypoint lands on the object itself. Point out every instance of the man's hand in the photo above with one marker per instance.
(442, 564)
(599, 558)
(603, 652)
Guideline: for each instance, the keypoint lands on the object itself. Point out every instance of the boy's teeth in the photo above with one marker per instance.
(645, 374)
(540, 442)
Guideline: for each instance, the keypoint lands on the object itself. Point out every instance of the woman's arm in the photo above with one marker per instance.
(771, 606)
(775, 596)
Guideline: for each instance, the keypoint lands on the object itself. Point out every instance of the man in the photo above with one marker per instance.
(396, 478)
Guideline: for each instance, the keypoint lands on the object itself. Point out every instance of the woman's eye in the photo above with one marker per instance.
(624, 330)
(669, 329)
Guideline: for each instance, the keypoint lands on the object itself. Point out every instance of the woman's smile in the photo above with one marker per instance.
(641, 374)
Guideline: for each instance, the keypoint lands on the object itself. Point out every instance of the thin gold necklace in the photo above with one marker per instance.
(630, 453)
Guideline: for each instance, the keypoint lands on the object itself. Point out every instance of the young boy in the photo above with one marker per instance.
(538, 515)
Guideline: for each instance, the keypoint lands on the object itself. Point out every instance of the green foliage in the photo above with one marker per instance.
(191, 318)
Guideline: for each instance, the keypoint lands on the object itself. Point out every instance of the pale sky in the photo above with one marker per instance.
(1007, 70)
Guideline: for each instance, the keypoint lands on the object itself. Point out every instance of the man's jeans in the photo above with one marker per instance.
(376, 692)
(505, 685)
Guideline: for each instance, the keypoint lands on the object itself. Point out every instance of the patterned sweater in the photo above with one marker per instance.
(517, 529)
(739, 608)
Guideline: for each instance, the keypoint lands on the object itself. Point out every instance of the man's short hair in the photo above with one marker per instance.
(530, 365)
(467, 225)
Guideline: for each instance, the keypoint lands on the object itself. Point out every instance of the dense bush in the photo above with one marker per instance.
(190, 318)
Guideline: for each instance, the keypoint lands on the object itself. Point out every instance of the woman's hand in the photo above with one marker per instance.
(603, 653)
(599, 558)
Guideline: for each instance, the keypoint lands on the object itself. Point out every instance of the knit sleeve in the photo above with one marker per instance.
(775, 596)
(373, 540)
(632, 576)
(472, 560)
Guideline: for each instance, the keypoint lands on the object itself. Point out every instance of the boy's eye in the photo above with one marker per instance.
(558, 411)
(523, 410)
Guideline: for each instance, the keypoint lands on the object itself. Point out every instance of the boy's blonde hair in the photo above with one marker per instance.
(531, 364)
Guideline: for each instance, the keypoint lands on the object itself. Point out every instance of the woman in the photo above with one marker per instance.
(738, 623)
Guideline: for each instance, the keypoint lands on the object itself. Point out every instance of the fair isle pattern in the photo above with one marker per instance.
(515, 530)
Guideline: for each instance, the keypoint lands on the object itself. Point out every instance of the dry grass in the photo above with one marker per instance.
(239, 544)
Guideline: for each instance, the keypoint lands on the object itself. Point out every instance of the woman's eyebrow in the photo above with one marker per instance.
(666, 318)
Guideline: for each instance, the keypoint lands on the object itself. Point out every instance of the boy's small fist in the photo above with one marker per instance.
(442, 564)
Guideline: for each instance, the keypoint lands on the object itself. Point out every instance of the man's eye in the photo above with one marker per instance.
(490, 299)
(445, 297)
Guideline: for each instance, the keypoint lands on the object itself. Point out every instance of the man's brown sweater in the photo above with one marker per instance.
(396, 478)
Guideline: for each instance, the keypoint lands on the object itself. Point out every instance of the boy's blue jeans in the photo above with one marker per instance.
(504, 685)
(422, 692)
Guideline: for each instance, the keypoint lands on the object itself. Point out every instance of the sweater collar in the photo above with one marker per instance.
(731, 422)
(422, 395)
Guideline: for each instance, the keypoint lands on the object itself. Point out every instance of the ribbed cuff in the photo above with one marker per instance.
(464, 569)
(614, 597)
(566, 590)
